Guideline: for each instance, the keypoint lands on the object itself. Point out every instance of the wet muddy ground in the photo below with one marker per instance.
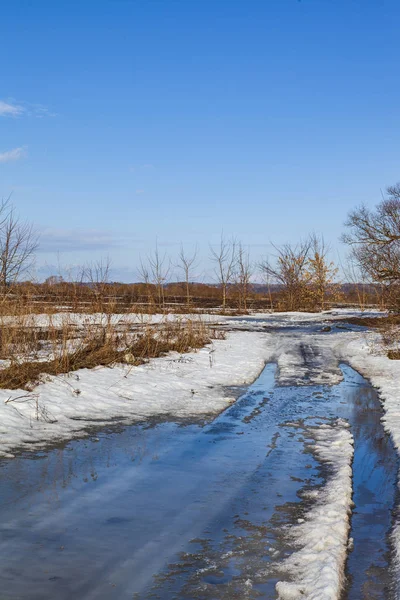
(195, 510)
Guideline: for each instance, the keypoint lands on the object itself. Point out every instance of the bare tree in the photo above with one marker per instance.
(224, 257)
(144, 275)
(97, 275)
(243, 275)
(321, 271)
(160, 268)
(374, 238)
(18, 242)
(186, 263)
(290, 270)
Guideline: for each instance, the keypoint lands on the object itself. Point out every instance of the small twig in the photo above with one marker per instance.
(24, 398)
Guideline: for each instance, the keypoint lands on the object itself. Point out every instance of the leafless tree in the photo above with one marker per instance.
(374, 238)
(224, 258)
(243, 275)
(144, 275)
(186, 262)
(290, 271)
(18, 242)
(322, 272)
(160, 267)
(97, 275)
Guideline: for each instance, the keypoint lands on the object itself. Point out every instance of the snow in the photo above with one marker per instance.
(178, 386)
(175, 386)
(192, 385)
(316, 569)
(81, 319)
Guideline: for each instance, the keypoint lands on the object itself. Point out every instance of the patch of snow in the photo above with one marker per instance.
(316, 569)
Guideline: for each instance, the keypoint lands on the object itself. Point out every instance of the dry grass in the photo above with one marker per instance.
(97, 345)
(374, 322)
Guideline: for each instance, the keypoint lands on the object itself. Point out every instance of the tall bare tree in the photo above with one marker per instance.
(374, 238)
(97, 275)
(289, 269)
(224, 258)
(187, 262)
(18, 242)
(322, 271)
(243, 275)
(160, 268)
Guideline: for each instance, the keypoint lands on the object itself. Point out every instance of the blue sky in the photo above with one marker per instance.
(127, 121)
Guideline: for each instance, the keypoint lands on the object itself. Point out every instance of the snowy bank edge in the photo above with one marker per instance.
(317, 568)
(180, 386)
(365, 354)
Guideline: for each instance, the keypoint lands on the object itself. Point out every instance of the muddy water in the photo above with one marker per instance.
(193, 511)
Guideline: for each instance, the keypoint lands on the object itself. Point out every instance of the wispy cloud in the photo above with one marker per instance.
(12, 155)
(139, 191)
(39, 111)
(72, 240)
(10, 109)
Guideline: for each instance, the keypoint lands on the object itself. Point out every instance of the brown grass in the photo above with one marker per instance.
(374, 322)
(109, 346)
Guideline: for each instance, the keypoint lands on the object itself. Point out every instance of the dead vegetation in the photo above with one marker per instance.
(97, 345)
(389, 328)
(373, 322)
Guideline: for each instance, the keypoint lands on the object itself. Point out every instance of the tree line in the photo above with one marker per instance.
(302, 272)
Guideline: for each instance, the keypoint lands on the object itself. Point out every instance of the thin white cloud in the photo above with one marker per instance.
(12, 155)
(10, 109)
(39, 111)
(139, 191)
(72, 240)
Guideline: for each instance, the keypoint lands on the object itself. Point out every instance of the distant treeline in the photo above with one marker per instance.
(59, 295)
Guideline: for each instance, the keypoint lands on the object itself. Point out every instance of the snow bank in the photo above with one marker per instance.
(317, 568)
(180, 386)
